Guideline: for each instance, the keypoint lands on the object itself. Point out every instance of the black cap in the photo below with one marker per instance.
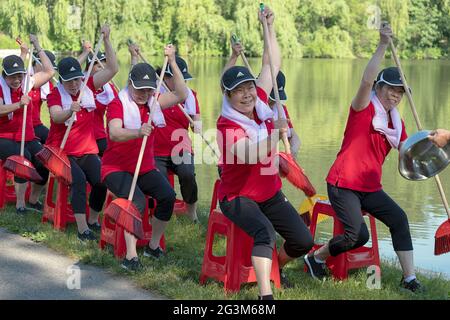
(69, 68)
(182, 65)
(281, 83)
(390, 76)
(143, 76)
(13, 64)
(100, 57)
(50, 55)
(235, 76)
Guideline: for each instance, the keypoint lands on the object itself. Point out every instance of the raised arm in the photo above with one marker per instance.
(134, 53)
(362, 98)
(179, 94)
(44, 76)
(264, 80)
(87, 47)
(236, 49)
(105, 75)
(23, 50)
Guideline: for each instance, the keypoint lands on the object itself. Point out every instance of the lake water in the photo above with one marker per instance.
(319, 94)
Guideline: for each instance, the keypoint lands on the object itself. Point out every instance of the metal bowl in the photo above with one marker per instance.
(420, 159)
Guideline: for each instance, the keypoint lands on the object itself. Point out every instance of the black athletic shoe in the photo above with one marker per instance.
(96, 227)
(285, 283)
(88, 235)
(21, 211)
(156, 253)
(413, 286)
(35, 207)
(132, 265)
(316, 270)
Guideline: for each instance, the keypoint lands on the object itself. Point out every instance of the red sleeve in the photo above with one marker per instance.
(197, 106)
(404, 135)
(262, 95)
(90, 84)
(51, 85)
(54, 98)
(114, 110)
(1, 94)
(288, 117)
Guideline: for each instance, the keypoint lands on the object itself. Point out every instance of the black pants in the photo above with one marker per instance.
(10, 147)
(86, 169)
(41, 132)
(262, 220)
(348, 204)
(152, 184)
(185, 172)
(101, 144)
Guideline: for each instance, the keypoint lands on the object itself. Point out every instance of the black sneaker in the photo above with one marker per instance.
(285, 283)
(21, 211)
(88, 235)
(156, 253)
(413, 286)
(96, 227)
(316, 270)
(132, 265)
(36, 206)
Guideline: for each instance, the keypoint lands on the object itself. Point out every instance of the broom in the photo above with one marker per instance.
(289, 167)
(123, 211)
(55, 159)
(442, 236)
(18, 164)
(180, 106)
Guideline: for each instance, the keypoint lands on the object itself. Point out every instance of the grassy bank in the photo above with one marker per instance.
(176, 275)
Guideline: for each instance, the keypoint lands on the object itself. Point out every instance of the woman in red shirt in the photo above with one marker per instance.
(250, 190)
(81, 146)
(127, 118)
(12, 100)
(374, 126)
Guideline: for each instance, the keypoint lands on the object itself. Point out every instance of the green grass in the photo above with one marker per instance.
(176, 275)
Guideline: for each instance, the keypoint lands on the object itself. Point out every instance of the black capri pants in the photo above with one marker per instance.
(348, 205)
(185, 172)
(86, 169)
(10, 147)
(151, 183)
(41, 132)
(101, 144)
(262, 220)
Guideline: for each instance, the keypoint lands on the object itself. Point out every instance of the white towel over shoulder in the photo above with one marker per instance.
(7, 92)
(380, 122)
(87, 100)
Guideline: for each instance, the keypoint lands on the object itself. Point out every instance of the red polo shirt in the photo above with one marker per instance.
(175, 133)
(123, 156)
(99, 115)
(243, 180)
(81, 140)
(35, 95)
(358, 165)
(12, 129)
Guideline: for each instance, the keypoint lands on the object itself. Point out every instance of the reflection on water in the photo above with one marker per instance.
(319, 94)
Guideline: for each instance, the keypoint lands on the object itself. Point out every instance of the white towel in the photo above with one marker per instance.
(255, 132)
(275, 117)
(7, 92)
(131, 115)
(45, 90)
(189, 104)
(87, 100)
(106, 96)
(380, 122)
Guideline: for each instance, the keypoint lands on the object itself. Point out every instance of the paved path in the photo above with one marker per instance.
(32, 271)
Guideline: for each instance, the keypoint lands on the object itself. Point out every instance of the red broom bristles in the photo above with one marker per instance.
(126, 215)
(290, 169)
(442, 239)
(22, 168)
(56, 161)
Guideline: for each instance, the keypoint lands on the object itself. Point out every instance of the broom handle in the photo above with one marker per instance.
(144, 140)
(181, 108)
(274, 82)
(25, 108)
(86, 78)
(416, 118)
(235, 40)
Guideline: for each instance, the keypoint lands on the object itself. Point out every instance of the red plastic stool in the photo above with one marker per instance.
(180, 206)
(7, 191)
(114, 235)
(235, 268)
(60, 212)
(356, 258)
